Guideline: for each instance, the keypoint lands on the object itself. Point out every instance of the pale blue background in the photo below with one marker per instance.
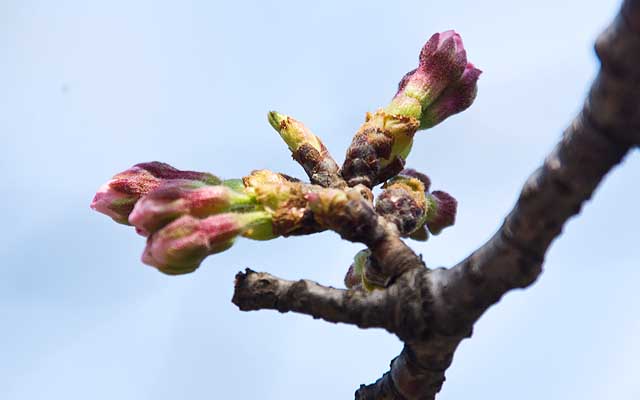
(89, 88)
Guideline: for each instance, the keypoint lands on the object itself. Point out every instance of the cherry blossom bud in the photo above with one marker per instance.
(442, 211)
(441, 63)
(117, 197)
(180, 247)
(403, 202)
(454, 99)
(175, 198)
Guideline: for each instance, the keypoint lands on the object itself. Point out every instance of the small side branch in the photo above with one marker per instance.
(260, 290)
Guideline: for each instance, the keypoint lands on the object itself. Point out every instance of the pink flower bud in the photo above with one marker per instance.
(117, 197)
(441, 63)
(442, 211)
(455, 98)
(180, 247)
(174, 198)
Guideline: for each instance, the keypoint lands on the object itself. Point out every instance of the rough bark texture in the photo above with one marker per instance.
(432, 311)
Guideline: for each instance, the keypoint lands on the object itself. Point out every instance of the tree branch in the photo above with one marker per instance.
(595, 142)
(432, 311)
(260, 290)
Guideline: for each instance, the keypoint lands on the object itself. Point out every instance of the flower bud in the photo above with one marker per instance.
(180, 247)
(454, 99)
(174, 198)
(403, 202)
(441, 63)
(442, 211)
(117, 197)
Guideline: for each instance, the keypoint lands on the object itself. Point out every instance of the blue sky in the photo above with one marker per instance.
(91, 88)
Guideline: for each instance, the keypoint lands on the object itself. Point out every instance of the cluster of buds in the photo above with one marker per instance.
(407, 202)
(444, 84)
(188, 215)
(185, 215)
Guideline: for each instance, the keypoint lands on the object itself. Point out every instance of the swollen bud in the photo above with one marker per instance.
(444, 83)
(441, 63)
(180, 247)
(455, 98)
(175, 198)
(442, 211)
(117, 197)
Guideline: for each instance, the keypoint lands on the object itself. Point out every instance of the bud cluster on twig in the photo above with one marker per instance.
(189, 215)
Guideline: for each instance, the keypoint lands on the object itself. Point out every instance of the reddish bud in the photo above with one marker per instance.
(455, 98)
(441, 63)
(180, 197)
(180, 247)
(442, 211)
(117, 197)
